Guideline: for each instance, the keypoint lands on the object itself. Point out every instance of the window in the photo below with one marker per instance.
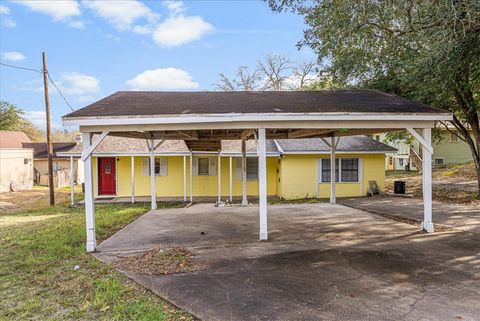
(203, 166)
(252, 168)
(453, 138)
(438, 161)
(161, 166)
(377, 137)
(326, 170)
(348, 167)
(108, 168)
(400, 162)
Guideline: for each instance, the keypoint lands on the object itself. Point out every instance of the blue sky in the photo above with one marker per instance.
(97, 48)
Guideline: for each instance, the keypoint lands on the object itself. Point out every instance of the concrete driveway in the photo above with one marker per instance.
(322, 262)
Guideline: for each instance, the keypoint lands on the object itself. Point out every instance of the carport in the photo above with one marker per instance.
(203, 119)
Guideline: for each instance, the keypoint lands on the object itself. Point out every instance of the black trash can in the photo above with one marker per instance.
(83, 188)
(399, 187)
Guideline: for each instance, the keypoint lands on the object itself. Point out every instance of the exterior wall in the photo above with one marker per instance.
(172, 184)
(300, 178)
(41, 165)
(451, 152)
(14, 169)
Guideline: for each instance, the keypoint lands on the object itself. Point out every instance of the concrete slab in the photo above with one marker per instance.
(322, 262)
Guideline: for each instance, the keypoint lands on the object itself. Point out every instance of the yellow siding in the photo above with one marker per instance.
(296, 178)
(172, 184)
(299, 176)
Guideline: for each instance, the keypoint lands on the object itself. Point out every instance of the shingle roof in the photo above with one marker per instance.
(120, 145)
(345, 144)
(138, 103)
(40, 149)
(12, 139)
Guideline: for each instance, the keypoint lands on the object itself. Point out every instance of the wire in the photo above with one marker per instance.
(18, 67)
(58, 89)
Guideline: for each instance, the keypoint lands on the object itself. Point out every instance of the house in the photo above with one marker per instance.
(295, 168)
(448, 149)
(61, 165)
(16, 162)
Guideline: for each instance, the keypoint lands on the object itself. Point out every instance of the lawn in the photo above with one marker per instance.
(45, 273)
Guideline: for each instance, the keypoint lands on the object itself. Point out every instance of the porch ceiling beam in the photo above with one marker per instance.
(308, 133)
(92, 147)
(139, 135)
(422, 141)
(247, 133)
(193, 135)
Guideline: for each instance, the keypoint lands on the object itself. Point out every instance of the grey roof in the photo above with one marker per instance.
(345, 144)
(121, 145)
(141, 103)
(40, 149)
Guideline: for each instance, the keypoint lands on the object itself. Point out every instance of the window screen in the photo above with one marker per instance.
(252, 168)
(326, 170)
(203, 166)
(438, 161)
(349, 169)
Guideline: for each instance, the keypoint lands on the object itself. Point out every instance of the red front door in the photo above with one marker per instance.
(106, 176)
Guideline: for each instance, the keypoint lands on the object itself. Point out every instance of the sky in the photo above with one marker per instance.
(96, 48)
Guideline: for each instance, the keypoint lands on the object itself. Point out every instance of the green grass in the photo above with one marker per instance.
(37, 276)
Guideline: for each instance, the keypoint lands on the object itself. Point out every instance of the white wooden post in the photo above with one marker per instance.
(333, 191)
(184, 178)
(72, 181)
(231, 181)
(152, 175)
(262, 180)
(427, 223)
(219, 175)
(89, 205)
(133, 178)
(191, 178)
(244, 173)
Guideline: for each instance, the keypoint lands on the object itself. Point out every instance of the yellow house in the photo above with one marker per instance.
(296, 168)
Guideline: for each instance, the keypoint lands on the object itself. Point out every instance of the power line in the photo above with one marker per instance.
(58, 89)
(18, 67)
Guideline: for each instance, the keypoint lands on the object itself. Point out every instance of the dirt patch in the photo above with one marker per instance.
(161, 262)
(14, 202)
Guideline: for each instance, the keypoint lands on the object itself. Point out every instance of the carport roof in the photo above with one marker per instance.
(141, 104)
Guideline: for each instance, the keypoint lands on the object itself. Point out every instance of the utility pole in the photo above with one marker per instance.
(49, 130)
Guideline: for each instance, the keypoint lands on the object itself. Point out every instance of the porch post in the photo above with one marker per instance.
(219, 175)
(89, 205)
(184, 178)
(72, 181)
(333, 196)
(152, 175)
(244, 173)
(427, 223)
(191, 177)
(231, 180)
(262, 182)
(133, 178)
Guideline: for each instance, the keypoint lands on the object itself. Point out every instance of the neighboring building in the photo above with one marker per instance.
(297, 168)
(61, 165)
(448, 149)
(16, 162)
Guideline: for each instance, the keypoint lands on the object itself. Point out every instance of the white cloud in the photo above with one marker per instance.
(4, 9)
(175, 7)
(13, 56)
(121, 14)
(179, 30)
(5, 21)
(58, 10)
(36, 117)
(77, 24)
(74, 83)
(163, 79)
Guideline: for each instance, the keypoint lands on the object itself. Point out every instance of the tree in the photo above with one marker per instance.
(427, 51)
(275, 72)
(10, 116)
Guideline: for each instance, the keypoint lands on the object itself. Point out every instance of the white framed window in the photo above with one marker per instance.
(161, 166)
(347, 167)
(453, 138)
(438, 161)
(204, 166)
(252, 168)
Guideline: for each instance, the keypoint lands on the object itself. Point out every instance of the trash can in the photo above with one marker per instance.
(83, 188)
(399, 187)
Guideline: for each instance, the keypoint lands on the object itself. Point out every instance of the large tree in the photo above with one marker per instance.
(10, 116)
(428, 51)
